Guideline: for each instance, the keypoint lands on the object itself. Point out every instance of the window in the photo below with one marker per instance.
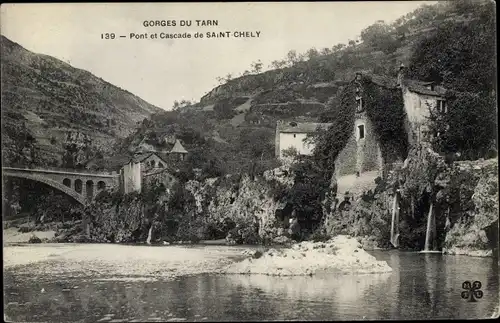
(441, 106)
(361, 132)
(359, 102)
(294, 135)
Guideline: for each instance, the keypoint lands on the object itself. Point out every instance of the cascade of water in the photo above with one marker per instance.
(148, 240)
(429, 230)
(395, 221)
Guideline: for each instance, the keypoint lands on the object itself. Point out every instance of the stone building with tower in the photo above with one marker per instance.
(149, 165)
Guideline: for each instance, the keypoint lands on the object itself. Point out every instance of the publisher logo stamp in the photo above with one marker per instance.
(472, 291)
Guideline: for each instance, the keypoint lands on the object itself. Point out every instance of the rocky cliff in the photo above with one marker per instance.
(249, 204)
(463, 194)
(475, 232)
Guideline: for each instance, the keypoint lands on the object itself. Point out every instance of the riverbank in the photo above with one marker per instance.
(111, 261)
(12, 235)
(119, 262)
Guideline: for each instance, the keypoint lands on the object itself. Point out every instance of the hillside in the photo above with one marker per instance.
(45, 101)
(238, 118)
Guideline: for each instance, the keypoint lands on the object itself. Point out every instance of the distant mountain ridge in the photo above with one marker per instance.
(44, 98)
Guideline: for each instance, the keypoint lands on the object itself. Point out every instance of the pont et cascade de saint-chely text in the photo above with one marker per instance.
(175, 33)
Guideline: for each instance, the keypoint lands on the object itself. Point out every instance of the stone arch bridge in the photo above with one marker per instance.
(82, 186)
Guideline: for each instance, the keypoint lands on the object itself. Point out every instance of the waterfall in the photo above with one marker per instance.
(148, 240)
(428, 233)
(395, 221)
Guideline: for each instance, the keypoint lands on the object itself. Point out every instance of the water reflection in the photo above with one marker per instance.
(420, 286)
(308, 296)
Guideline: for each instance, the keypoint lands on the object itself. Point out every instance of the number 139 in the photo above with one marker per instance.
(108, 36)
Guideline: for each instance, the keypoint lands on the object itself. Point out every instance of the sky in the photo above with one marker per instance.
(163, 70)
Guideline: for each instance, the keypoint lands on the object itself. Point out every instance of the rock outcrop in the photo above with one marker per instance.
(342, 255)
(249, 203)
(469, 235)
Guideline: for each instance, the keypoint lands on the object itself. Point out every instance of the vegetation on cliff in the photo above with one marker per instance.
(49, 97)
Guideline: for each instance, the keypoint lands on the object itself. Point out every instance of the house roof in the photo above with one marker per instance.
(162, 170)
(416, 86)
(421, 87)
(178, 148)
(141, 157)
(301, 127)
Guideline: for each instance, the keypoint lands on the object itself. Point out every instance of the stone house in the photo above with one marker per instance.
(293, 135)
(148, 166)
(360, 162)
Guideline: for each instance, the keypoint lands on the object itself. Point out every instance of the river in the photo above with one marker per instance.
(88, 283)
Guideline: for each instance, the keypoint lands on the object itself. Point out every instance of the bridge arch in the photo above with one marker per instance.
(78, 186)
(101, 185)
(61, 187)
(89, 188)
(67, 182)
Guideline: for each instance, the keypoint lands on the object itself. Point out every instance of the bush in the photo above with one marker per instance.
(34, 239)
(468, 128)
(320, 235)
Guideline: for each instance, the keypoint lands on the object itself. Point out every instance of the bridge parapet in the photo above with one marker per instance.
(54, 170)
(67, 170)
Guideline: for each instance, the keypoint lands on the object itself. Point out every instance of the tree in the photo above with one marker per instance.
(292, 57)
(338, 48)
(459, 55)
(257, 66)
(379, 36)
(256, 142)
(278, 64)
(179, 105)
(468, 128)
(307, 193)
(326, 51)
(220, 80)
(312, 53)
(291, 152)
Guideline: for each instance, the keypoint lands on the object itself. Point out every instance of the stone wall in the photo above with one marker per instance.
(417, 111)
(359, 155)
(159, 176)
(131, 177)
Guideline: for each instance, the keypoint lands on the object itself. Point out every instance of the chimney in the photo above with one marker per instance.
(401, 75)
